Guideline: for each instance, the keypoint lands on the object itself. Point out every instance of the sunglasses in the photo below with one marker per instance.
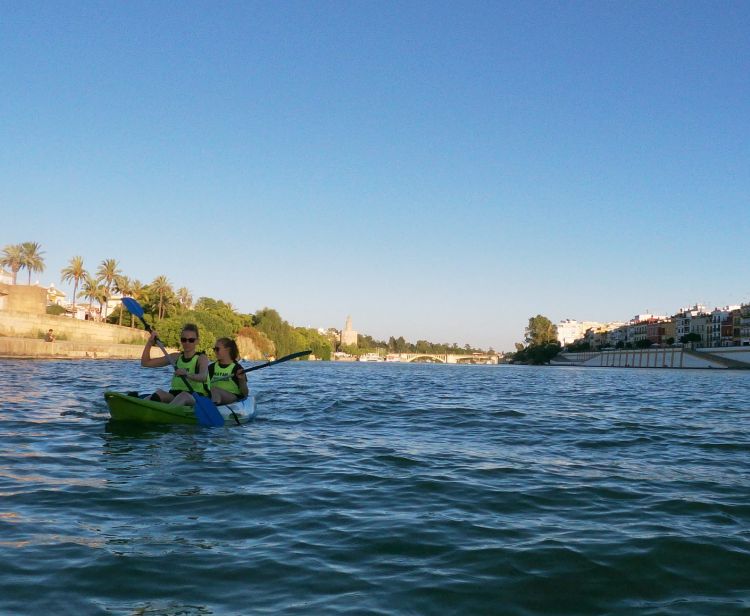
(190, 340)
(217, 349)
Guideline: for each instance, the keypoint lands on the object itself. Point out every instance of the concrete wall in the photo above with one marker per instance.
(23, 298)
(38, 349)
(26, 325)
(722, 358)
(28, 348)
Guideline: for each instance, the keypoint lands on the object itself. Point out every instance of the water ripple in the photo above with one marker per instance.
(380, 489)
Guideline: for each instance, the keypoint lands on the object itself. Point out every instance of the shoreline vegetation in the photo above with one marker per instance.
(260, 335)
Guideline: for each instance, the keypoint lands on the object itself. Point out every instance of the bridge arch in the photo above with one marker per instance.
(426, 358)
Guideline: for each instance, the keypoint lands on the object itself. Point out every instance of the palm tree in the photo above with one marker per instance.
(90, 290)
(185, 298)
(12, 258)
(74, 271)
(31, 257)
(107, 273)
(122, 286)
(163, 287)
(137, 291)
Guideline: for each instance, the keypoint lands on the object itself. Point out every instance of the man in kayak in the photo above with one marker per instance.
(189, 364)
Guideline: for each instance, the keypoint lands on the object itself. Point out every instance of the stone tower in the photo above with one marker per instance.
(348, 335)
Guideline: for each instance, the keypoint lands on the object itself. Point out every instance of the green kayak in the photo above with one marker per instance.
(123, 407)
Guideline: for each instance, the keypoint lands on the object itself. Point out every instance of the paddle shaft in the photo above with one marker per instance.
(265, 365)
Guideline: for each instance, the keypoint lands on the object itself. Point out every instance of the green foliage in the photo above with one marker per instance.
(540, 331)
(262, 342)
(642, 344)
(31, 257)
(366, 344)
(319, 343)
(541, 336)
(537, 354)
(12, 258)
(55, 309)
(114, 316)
(221, 310)
(286, 337)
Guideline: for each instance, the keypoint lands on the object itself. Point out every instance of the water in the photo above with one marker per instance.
(380, 489)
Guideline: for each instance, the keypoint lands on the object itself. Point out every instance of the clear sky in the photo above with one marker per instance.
(436, 170)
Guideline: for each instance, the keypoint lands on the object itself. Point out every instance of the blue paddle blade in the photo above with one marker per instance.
(206, 412)
(133, 307)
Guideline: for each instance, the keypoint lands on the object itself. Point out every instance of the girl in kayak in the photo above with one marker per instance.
(189, 364)
(228, 382)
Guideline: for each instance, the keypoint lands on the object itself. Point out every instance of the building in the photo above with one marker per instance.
(570, 330)
(743, 325)
(720, 327)
(683, 321)
(604, 335)
(348, 335)
(55, 296)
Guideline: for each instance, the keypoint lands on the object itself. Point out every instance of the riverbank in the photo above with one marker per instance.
(32, 348)
(21, 337)
(737, 358)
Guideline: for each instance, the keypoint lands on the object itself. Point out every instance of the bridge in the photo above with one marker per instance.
(447, 358)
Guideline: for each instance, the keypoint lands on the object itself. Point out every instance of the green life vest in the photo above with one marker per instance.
(232, 385)
(190, 366)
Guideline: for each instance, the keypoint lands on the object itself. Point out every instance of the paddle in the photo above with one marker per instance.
(205, 410)
(266, 364)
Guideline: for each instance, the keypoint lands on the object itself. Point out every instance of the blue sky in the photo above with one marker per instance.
(437, 170)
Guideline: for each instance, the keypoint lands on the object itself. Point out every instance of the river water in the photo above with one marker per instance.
(380, 489)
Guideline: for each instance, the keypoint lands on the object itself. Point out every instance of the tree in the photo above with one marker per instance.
(163, 288)
(107, 273)
(185, 298)
(31, 258)
(123, 287)
(12, 258)
(75, 272)
(283, 335)
(90, 290)
(540, 331)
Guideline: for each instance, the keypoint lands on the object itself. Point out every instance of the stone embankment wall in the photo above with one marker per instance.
(27, 325)
(673, 357)
(20, 337)
(20, 331)
(28, 348)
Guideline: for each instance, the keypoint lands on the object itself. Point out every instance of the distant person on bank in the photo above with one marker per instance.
(189, 364)
(49, 336)
(233, 385)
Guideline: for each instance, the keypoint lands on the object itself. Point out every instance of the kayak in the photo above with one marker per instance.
(123, 407)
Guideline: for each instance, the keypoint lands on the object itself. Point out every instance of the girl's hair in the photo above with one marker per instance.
(191, 327)
(234, 352)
